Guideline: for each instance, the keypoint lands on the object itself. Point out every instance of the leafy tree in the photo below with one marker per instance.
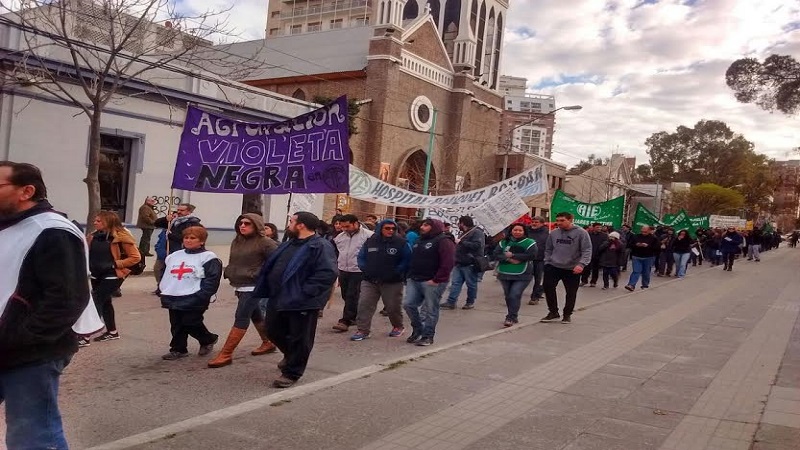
(586, 164)
(773, 84)
(709, 152)
(643, 173)
(709, 198)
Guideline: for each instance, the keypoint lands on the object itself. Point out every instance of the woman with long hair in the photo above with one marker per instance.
(271, 231)
(515, 254)
(112, 251)
(682, 249)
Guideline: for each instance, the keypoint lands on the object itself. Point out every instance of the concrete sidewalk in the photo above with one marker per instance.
(687, 364)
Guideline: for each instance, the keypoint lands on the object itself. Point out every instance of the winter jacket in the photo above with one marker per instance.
(349, 245)
(412, 237)
(756, 237)
(382, 259)
(540, 236)
(161, 246)
(650, 250)
(566, 249)
(308, 277)
(209, 285)
(433, 256)
(612, 253)
(248, 253)
(524, 251)
(731, 242)
(147, 217)
(470, 245)
(598, 238)
(51, 293)
(125, 239)
(175, 230)
(682, 245)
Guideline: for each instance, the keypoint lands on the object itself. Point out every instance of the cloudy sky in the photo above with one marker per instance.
(636, 66)
(643, 66)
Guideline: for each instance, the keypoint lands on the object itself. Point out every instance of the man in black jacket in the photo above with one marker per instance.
(384, 260)
(469, 245)
(185, 219)
(538, 232)
(44, 289)
(598, 237)
(297, 279)
(644, 248)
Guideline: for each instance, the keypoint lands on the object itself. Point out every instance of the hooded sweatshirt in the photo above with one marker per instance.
(566, 249)
(433, 255)
(384, 259)
(248, 254)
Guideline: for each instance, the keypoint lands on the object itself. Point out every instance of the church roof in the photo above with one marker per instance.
(329, 51)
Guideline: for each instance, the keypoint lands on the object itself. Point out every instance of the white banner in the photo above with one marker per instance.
(364, 186)
(726, 221)
(493, 215)
(302, 202)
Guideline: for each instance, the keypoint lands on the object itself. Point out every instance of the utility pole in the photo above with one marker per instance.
(429, 159)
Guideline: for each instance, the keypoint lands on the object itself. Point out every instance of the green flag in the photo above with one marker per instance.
(606, 213)
(643, 216)
(669, 218)
(682, 221)
(700, 222)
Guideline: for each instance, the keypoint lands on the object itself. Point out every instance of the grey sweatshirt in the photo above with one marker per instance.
(566, 249)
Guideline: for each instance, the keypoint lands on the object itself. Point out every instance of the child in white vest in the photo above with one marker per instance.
(190, 281)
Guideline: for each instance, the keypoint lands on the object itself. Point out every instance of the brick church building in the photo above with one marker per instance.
(408, 64)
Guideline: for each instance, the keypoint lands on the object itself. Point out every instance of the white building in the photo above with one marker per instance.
(527, 118)
(141, 131)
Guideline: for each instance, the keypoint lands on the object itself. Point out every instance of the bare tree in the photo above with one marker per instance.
(89, 53)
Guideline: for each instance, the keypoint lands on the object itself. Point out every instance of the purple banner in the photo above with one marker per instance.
(308, 154)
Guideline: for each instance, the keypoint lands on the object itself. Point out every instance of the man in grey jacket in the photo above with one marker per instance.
(349, 243)
(567, 252)
(539, 233)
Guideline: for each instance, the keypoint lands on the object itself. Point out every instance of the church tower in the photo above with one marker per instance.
(390, 13)
(472, 31)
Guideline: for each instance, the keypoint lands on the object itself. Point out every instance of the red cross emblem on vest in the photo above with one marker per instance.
(180, 271)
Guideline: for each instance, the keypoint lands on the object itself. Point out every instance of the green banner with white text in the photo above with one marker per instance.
(644, 216)
(606, 213)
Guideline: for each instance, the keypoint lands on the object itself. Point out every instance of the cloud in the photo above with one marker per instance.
(636, 66)
(639, 67)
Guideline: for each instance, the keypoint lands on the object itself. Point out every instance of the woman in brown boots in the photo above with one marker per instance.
(249, 250)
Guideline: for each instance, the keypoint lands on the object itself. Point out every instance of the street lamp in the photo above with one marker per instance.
(530, 122)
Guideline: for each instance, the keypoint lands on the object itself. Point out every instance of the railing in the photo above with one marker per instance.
(322, 9)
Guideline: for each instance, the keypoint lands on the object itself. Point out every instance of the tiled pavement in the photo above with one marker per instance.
(689, 365)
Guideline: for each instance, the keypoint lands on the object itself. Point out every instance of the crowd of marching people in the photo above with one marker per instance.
(55, 276)
(414, 269)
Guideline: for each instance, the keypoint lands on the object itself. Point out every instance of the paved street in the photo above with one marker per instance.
(708, 362)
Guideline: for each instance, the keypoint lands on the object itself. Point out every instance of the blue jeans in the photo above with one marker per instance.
(681, 261)
(461, 275)
(248, 308)
(512, 289)
(31, 396)
(641, 267)
(422, 306)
